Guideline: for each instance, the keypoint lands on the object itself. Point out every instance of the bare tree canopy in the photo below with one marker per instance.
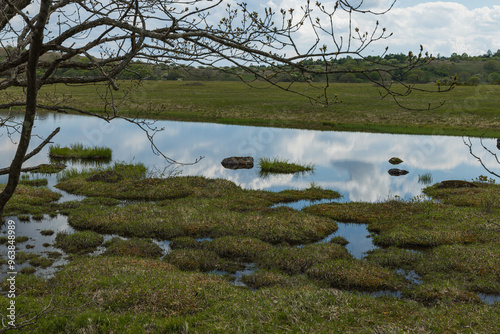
(37, 38)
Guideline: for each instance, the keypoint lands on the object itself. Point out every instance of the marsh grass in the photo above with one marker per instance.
(27, 270)
(266, 278)
(144, 248)
(194, 259)
(282, 166)
(30, 200)
(78, 242)
(36, 182)
(240, 248)
(297, 284)
(79, 151)
(295, 260)
(356, 274)
(41, 261)
(166, 299)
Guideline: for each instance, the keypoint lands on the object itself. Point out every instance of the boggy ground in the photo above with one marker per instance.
(301, 285)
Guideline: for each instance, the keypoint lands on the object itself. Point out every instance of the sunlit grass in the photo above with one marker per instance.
(282, 166)
(79, 151)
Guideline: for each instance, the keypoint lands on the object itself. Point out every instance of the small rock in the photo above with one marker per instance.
(395, 161)
(238, 163)
(397, 172)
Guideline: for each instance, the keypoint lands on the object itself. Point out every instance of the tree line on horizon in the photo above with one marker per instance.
(458, 69)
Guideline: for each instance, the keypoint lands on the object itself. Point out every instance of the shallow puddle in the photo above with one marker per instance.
(357, 235)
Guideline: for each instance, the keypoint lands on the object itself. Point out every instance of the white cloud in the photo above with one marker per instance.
(440, 26)
(444, 27)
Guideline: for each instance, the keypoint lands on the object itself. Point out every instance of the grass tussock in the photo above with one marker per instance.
(31, 200)
(144, 248)
(268, 278)
(295, 260)
(79, 151)
(78, 242)
(282, 166)
(237, 247)
(194, 259)
(355, 274)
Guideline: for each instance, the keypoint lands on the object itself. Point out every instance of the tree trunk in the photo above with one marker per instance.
(31, 100)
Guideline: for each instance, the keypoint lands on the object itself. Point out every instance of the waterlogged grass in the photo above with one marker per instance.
(28, 200)
(438, 257)
(282, 166)
(133, 247)
(410, 224)
(457, 241)
(78, 242)
(193, 207)
(79, 151)
(295, 260)
(194, 259)
(355, 274)
(36, 182)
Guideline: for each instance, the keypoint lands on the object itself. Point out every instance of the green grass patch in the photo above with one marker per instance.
(242, 248)
(282, 166)
(30, 200)
(295, 260)
(356, 275)
(41, 261)
(52, 168)
(27, 270)
(194, 259)
(133, 247)
(78, 242)
(79, 151)
(37, 182)
(266, 279)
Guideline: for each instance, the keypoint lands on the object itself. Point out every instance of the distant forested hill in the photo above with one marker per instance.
(471, 70)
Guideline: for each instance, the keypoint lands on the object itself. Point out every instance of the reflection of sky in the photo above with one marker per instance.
(355, 164)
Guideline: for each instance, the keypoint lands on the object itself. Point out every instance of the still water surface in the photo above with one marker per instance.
(355, 164)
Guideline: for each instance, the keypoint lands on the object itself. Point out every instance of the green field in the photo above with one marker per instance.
(467, 110)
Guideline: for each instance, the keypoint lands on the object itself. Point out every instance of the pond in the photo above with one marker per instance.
(354, 164)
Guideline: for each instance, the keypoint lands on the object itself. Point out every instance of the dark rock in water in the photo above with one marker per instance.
(238, 163)
(456, 184)
(108, 176)
(498, 143)
(395, 161)
(397, 172)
